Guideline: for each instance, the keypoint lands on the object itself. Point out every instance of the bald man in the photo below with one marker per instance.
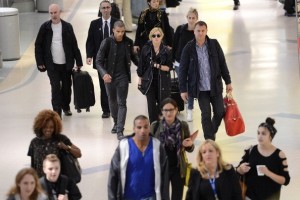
(56, 51)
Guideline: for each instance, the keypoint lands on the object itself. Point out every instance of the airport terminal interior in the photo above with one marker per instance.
(260, 46)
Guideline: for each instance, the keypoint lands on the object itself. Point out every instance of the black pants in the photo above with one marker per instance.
(177, 183)
(61, 82)
(236, 2)
(103, 95)
(210, 125)
(154, 97)
(289, 6)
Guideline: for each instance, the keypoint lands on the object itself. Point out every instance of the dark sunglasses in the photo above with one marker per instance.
(155, 35)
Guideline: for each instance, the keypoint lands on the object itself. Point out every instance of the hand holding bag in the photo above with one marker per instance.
(234, 123)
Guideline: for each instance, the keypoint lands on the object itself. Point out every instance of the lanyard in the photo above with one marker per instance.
(213, 184)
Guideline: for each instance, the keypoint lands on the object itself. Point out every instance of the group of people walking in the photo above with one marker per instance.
(153, 157)
(148, 161)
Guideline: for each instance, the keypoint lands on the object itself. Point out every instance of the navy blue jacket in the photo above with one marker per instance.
(189, 68)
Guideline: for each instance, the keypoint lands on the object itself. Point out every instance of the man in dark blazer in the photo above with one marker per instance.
(56, 51)
(95, 36)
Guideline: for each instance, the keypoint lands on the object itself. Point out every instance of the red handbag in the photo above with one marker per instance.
(234, 123)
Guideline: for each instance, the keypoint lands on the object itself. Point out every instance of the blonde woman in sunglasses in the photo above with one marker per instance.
(154, 72)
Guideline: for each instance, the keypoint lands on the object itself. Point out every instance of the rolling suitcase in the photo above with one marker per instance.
(83, 87)
(175, 93)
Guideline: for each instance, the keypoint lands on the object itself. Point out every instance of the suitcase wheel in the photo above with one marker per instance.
(88, 109)
(78, 110)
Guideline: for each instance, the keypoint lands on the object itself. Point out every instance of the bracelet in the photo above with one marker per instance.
(69, 148)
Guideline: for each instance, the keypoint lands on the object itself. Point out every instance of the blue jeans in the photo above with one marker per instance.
(210, 125)
(117, 92)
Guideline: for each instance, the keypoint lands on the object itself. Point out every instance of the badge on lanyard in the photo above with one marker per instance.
(212, 182)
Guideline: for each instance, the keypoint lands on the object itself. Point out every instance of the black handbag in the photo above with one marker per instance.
(70, 166)
(146, 81)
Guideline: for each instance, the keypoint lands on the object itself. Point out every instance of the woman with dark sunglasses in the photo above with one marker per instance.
(154, 72)
(150, 18)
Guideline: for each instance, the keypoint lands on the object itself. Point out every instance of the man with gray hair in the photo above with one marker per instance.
(113, 62)
(56, 51)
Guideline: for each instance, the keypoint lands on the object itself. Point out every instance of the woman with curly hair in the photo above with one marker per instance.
(264, 165)
(27, 186)
(47, 127)
(213, 178)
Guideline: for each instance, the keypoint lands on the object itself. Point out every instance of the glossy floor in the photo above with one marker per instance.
(260, 46)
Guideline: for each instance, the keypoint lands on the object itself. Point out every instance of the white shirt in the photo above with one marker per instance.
(57, 49)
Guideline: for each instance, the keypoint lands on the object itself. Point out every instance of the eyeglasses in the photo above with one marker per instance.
(155, 35)
(168, 110)
(103, 8)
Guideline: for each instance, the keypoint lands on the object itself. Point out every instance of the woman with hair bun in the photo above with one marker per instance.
(264, 165)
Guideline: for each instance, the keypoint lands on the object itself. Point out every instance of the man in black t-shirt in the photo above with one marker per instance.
(113, 62)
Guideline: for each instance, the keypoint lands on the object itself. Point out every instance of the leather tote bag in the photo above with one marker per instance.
(234, 123)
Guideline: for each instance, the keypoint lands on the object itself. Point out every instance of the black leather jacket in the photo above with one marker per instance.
(146, 62)
(43, 55)
(107, 55)
(189, 68)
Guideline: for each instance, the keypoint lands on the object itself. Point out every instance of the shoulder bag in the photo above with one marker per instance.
(70, 166)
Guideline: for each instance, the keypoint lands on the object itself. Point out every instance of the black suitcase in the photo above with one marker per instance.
(175, 93)
(83, 87)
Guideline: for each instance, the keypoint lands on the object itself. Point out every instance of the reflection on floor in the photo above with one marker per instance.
(261, 51)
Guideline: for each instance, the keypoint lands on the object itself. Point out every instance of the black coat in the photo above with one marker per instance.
(229, 186)
(145, 64)
(147, 23)
(43, 55)
(95, 37)
(107, 55)
(189, 68)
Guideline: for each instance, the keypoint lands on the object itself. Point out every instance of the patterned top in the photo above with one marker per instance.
(39, 148)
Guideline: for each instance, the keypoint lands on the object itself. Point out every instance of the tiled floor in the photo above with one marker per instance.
(261, 50)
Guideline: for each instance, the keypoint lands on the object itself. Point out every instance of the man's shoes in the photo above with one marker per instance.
(68, 112)
(120, 135)
(236, 6)
(114, 129)
(189, 115)
(290, 14)
(105, 115)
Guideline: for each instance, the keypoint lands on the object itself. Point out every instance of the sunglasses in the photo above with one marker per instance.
(108, 7)
(155, 35)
